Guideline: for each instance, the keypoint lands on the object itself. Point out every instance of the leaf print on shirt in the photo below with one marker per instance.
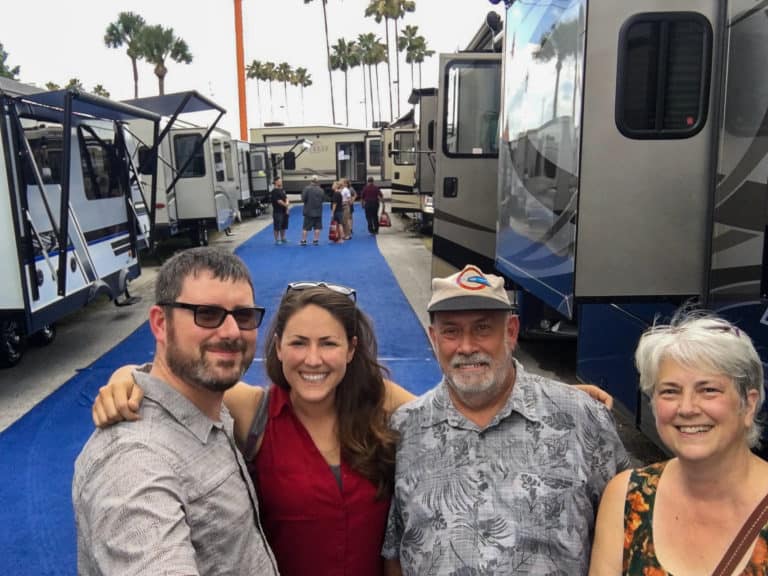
(560, 421)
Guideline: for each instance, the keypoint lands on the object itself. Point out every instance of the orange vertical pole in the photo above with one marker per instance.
(241, 70)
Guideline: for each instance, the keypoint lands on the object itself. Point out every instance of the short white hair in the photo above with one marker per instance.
(706, 342)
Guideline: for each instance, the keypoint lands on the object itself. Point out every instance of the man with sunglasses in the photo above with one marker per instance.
(170, 493)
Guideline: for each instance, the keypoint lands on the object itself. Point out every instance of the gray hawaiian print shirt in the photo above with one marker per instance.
(516, 497)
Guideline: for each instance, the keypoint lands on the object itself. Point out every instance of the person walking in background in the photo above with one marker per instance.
(337, 211)
(346, 204)
(169, 493)
(279, 211)
(312, 196)
(705, 381)
(499, 471)
(371, 197)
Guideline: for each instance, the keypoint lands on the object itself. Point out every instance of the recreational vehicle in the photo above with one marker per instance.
(633, 170)
(398, 168)
(68, 228)
(195, 187)
(328, 152)
(261, 174)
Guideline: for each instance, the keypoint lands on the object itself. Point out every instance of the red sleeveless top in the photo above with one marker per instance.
(312, 525)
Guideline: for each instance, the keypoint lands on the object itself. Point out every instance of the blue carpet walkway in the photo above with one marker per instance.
(37, 453)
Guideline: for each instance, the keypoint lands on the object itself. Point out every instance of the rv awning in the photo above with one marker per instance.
(177, 103)
(87, 105)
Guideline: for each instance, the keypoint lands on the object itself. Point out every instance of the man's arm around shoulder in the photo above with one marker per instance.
(129, 511)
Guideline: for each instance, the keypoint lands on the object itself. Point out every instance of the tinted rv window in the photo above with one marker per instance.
(471, 117)
(101, 166)
(663, 79)
(229, 159)
(218, 162)
(186, 146)
(46, 149)
(374, 149)
(146, 161)
(405, 143)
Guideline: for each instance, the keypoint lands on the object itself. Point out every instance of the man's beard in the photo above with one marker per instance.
(478, 391)
(198, 370)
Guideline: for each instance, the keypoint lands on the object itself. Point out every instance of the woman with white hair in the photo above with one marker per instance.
(705, 381)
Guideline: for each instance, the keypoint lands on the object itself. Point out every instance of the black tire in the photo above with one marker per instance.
(45, 336)
(12, 343)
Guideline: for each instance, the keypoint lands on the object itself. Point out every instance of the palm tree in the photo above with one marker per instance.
(383, 10)
(52, 86)
(557, 43)
(5, 71)
(379, 55)
(303, 79)
(99, 90)
(283, 74)
(344, 57)
(126, 30)
(253, 72)
(158, 44)
(328, 56)
(400, 9)
(359, 61)
(366, 44)
(269, 73)
(415, 47)
(420, 53)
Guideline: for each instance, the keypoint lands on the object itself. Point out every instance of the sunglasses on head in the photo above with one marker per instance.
(307, 284)
(208, 316)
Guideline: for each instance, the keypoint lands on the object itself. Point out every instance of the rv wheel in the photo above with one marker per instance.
(12, 343)
(44, 336)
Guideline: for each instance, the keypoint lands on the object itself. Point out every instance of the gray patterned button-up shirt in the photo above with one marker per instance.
(168, 494)
(517, 497)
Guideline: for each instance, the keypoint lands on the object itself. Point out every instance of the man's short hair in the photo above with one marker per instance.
(221, 263)
(276, 178)
(315, 179)
(370, 179)
(468, 289)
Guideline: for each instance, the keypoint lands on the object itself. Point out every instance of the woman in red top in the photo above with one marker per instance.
(317, 442)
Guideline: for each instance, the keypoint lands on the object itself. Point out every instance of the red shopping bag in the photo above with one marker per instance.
(333, 231)
(384, 220)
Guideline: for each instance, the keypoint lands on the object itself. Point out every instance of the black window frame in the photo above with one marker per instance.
(663, 19)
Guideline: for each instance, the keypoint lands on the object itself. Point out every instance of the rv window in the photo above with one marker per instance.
(145, 160)
(100, 162)
(374, 149)
(257, 161)
(405, 143)
(229, 159)
(472, 104)
(663, 79)
(186, 146)
(46, 149)
(218, 162)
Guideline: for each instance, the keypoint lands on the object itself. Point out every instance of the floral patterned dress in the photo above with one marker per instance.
(639, 552)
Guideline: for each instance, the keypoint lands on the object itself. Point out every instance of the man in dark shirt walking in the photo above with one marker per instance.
(371, 196)
(279, 211)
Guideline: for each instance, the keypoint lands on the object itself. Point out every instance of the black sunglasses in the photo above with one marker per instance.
(307, 284)
(207, 316)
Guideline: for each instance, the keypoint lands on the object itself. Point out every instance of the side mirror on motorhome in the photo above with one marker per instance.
(289, 161)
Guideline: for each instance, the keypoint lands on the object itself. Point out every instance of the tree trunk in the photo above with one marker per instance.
(328, 61)
(271, 104)
(397, 61)
(346, 95)
(365, 95)
(135, 78)
(370, 87)
(389, 70)
(160, 72)
(285, 102)
(378, 92)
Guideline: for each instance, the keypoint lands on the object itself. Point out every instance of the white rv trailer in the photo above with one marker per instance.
(398, 167)
(195, 189)
(335, 152)
(68, 228)
(252, 187)
(633, 170)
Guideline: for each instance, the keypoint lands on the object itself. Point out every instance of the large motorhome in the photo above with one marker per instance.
(633, 170)
(69, 231)
(195, 187)
(328, 152)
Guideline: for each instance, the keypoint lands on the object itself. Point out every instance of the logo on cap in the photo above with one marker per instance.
(472, 278)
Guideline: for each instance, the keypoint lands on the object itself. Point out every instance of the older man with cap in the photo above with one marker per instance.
(499, 471)
(312, 196)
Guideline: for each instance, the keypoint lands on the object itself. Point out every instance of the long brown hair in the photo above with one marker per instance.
(367, 442)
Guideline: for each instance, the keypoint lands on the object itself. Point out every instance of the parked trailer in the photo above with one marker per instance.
(334, 152)
(65, 182)
(195, 189)
(633, 170)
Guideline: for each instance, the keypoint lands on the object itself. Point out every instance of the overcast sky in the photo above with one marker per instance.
(53, 40)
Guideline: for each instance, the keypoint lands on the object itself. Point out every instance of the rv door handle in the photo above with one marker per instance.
(450, 187)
